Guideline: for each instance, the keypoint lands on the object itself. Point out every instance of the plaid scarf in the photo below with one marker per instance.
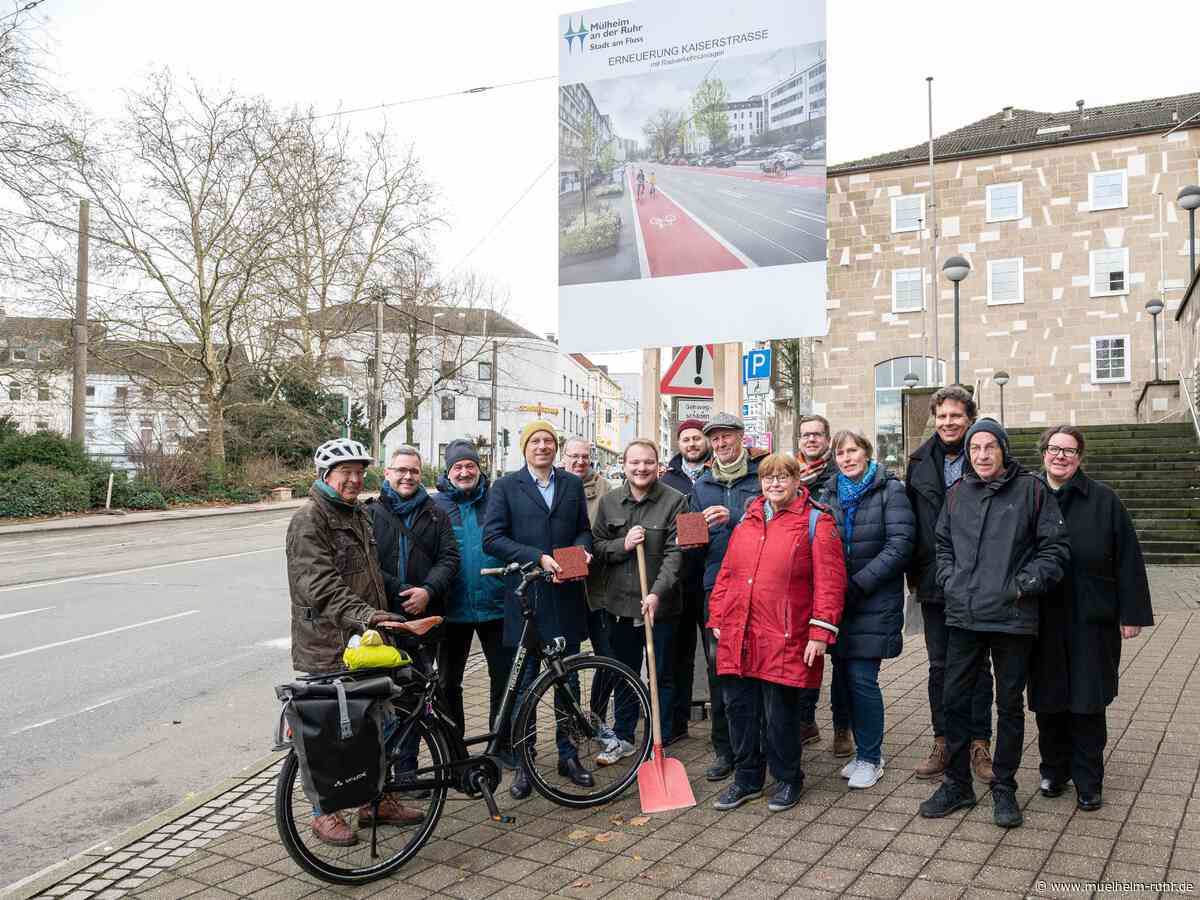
(811, 471)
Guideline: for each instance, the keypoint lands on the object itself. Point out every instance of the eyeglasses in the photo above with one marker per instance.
(1068, 452)
(811, 435)
(775, 479)
(405, 473)
(576, 457)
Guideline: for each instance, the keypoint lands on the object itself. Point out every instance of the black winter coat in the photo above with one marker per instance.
(433, 556)
(691, 579)
(518, 527)
(1078, 651)
(735, 497)
(926, 490)
(1001, 547)
(880, 548)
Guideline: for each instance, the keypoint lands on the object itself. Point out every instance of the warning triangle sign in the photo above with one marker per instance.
(690, 373)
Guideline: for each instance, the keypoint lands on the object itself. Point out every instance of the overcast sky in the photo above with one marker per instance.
(484, 150)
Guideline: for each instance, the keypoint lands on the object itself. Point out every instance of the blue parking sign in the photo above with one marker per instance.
(756, 364)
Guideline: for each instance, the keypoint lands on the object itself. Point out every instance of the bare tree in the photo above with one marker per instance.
(663, 131)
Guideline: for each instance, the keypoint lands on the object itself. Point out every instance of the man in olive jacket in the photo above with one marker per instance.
(1001, 547)
(642, 511)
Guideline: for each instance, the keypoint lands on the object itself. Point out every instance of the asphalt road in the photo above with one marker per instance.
(771, 221)
(138, 663)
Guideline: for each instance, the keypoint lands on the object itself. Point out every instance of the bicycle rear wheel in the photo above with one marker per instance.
(607, 695)
(394, 844)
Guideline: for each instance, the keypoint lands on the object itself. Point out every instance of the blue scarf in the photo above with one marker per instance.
(331, 495)
(406, 510)
(850, 494)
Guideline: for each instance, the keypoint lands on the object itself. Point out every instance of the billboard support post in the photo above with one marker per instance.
(651, 399)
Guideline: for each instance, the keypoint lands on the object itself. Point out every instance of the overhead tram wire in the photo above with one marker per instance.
(28, 7)
(475, 90)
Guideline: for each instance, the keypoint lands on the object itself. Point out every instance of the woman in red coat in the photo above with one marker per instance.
(774, 609)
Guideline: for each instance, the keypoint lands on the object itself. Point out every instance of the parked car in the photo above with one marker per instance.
(817, 147)
(724, 162)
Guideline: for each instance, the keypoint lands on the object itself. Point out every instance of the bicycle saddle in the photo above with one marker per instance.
(416, 627)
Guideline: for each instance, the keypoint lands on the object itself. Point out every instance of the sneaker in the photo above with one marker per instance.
(809, 733)
(1005, 811)
(843, 743)
(734, 796)
(848, 768)
(981, 762)
(332, 829)
(866, 774)
(785, 797)
(613, 755)
(935, 765)
(947, 799)
(607, 738)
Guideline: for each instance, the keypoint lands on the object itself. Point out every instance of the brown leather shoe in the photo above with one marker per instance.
(391, 812)
(809, 733)
(332, 829)
(843, 742)
(936, 764)
(981, 761)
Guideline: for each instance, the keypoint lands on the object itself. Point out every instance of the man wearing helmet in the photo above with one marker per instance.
(337, 591)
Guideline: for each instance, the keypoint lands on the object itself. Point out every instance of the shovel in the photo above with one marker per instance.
(662, 783)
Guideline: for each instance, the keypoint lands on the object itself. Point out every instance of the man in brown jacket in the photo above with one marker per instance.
(337, 591)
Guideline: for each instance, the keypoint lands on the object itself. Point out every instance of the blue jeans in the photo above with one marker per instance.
(858, 704)
(628, 642)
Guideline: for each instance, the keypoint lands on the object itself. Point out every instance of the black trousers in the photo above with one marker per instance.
(934, 618)
(966, 652)
(683, 658)
(1072, 746)
(764, 727)
(452, 664)
(722, 746)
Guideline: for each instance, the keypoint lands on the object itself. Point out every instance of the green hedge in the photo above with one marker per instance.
(31, 490)
(45, 448)
(602, 232)
(149, 498)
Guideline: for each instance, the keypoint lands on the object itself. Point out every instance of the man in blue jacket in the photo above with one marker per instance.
(475, 605)
(531, 513)
(721, 494)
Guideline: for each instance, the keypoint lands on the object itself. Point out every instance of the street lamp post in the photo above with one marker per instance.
(1001, 378)
(1189, 199)
(956, 268)
(435, 363)
(1154, 306)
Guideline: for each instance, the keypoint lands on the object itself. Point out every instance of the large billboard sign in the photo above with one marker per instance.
(691, 172)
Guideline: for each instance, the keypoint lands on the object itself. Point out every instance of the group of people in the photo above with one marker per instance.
(641, 183)
(1023, 580)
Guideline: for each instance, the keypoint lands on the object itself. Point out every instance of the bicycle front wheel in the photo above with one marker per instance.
(598, 712)
(373, 851)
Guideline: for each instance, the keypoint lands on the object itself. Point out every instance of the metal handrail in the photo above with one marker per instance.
(1189, 396)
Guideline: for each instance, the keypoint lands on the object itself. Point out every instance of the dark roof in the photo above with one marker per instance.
(360, 317)
(1017, 129)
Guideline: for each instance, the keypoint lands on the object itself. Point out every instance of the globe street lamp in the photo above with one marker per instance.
(956, 268)
(1001, 378)
(911, 380)
(1154, 306)
(1189, 199)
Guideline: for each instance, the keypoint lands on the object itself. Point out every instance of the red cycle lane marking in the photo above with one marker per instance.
(675, 243)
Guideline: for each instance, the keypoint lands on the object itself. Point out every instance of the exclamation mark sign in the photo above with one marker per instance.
(699, 379)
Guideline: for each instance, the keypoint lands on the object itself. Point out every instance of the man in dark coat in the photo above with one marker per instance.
(414, 539)
(1103, 600)
(932, 469)
(1001, 547)
(722, 493)
(532, 512)
(682, 471)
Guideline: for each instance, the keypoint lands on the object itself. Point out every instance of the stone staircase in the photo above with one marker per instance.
(1155, 470)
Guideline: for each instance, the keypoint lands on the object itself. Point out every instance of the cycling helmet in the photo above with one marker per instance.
(340, 450)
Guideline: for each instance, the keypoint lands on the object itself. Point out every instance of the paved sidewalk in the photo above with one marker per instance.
(836, 842)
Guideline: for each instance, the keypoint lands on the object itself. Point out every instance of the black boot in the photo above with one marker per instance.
(574, 770)
(720, 770)
(946, 799)
(1005, 811)
(521, 788)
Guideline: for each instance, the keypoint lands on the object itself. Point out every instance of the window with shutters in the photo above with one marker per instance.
(1005, 281)
(1110, 358)
(906, 290)
(1108, 190)
(1109, 272)
(1004, 202)
(907, 212)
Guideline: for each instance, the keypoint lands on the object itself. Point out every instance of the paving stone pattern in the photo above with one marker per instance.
(835, 843)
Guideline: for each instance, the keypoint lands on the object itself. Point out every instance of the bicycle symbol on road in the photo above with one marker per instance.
(665, 221)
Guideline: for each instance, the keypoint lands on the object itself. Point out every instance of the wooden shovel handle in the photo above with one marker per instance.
(655, 725)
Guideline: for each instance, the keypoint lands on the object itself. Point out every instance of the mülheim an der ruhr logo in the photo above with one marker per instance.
(572, 34)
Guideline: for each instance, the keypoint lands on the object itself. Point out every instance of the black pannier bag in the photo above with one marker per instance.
(337, 733)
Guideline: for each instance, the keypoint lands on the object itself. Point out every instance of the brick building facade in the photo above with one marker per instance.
(1058, 215)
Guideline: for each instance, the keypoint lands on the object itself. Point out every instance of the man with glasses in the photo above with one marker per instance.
(1001, 548)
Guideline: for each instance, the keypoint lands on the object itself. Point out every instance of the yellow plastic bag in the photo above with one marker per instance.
(375, 657)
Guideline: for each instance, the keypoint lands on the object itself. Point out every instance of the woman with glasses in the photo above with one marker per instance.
(1103, 600)
(774, 609)
(878, 531)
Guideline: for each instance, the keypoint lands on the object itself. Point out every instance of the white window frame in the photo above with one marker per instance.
(991, 216)
(1020, 261)
(920, 216)
(1125, 377)
(1124, 173)
(1092, 292)
(920, 307)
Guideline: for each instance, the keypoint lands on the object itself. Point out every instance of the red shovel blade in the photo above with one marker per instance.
(663, 784)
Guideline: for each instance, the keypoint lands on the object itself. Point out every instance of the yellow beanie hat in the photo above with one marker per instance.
(533, 428)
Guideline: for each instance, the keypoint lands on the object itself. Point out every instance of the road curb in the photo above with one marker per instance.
(52, 875)
(104, 521)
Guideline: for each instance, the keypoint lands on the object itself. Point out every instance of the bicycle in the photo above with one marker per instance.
(427, 757)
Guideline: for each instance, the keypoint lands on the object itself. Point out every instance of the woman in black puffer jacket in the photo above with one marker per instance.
(878, 532)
